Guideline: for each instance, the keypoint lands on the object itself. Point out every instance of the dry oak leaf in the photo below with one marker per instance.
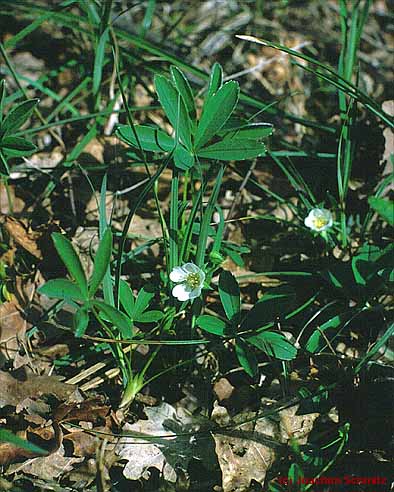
(9, 453)
(24, 237)
(155, 443)
(19, 386)
(248, 452)
(243, 455)
(12, 330)
(90, 410)
(47, 467)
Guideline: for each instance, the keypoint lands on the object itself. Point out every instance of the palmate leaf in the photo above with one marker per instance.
(254, 131)
(183, 159)
(18, 115)
(116, 317)
(126, 298)
(16, 146)
(215, 80)
(234, 149)
(101, 261)
(174, 108)
(184, 89)
(211, 324)
(217, 109)
(246, 357)
(150, 138)
(230, 296)
(145, 295)
(274, 344)
(62, 288)
(149, 316)
(276, 302)
(81, 321)
(71, 260)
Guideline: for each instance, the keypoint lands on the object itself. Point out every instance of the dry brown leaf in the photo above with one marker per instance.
(48, 467)
(154, 443)
(21, 235)
(294, 426)
(19, 386)
(81, 443)
(248, 452)
(12, 330)
(223, 389)
(9, 453)
(388, 156)
(240, 458)
(90, 410)
(17, 203)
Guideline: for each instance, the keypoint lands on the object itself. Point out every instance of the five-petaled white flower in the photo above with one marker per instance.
(190, 279)
(319, 219)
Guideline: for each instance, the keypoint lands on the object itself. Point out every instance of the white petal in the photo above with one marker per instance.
(195, 293)
(191, 268)
(181, 292)
(178, 274)
(309, 221)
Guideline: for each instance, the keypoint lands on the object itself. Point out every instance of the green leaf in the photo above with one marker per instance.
(98, 60)
(4, 169)
(230, 296)
(217, 110)
(274, 344)
(150, 138)
(62, 288)
(276, 487)
(183, 159)
(215, 80)
(273, 304)
(174, 108)
(145, 295)
(71, 260)
(234, 149)
(211, 324)
(18, 115)
(101, 261)
(184, 89)
(80, 146)
(126, 297)
(17, 146)
(7, 436)
(254, 131)
(149, 316)
(2, 98)
(365, 263)
(116, 317)
(295, 475)
(246, 357)
(81, 321)
(384, 207)
(318, 339)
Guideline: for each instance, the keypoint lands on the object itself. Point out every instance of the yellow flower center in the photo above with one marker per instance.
(320, 222)
(193, 280)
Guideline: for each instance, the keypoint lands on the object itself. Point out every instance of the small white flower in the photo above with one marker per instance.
(190, 279)
(319, 219)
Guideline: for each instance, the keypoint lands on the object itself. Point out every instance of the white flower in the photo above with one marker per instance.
(190, 279)
(319, 219)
